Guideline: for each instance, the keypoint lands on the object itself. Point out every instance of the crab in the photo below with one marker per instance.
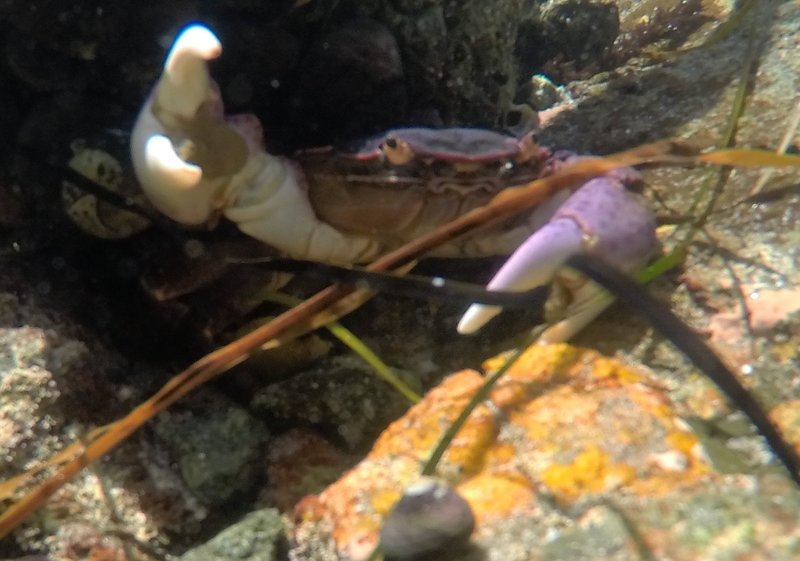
(198, 166)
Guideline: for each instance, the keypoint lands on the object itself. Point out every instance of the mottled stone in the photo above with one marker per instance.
(341, 393)
(787, 416)
(301, 462)
(601, 531)
(254, 538)
(56, 384)
(216, 446)
(575, 30)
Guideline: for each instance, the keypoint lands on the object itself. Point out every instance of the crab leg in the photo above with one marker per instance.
(601, 218)
(196, 164)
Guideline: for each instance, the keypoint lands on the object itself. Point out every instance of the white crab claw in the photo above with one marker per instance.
(183, 152)
(185, 84)
(196, 164)
(174, 185)
(601, 217)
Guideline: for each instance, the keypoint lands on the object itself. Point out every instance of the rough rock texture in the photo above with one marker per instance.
(216, 446)
(254, 538)
(298, 64)
(57, 382)
(568, 430)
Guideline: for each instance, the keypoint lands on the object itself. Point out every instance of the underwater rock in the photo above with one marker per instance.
(581, 454)
(215, 445)
(254, 538)
(356, 66)
(459, 57)
(570, 424)
(578, 31)
(57, 382)
(301, 462)
(787, 416)
(338, 393)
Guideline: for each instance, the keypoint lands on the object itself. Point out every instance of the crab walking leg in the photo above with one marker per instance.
(196, 164)
(602, 218)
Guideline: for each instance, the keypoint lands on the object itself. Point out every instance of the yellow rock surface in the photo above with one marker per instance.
(566, 423)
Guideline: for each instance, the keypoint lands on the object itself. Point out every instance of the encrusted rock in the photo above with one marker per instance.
(254, 538)
(216, 446)
(569, 424)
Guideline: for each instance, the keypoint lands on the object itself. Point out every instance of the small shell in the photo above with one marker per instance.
(429, 519)
(96, 217)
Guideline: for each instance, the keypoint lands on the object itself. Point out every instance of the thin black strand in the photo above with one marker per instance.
(415, 286)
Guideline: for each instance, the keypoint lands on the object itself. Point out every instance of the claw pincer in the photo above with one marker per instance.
(602, 218)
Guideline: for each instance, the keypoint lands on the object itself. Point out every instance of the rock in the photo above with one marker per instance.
(569, 424)
(216, 446)
(56, 384)
(357, 65)
(341, 393)
(301, 462)
(580, 31)
(599, 529)
(254, 538)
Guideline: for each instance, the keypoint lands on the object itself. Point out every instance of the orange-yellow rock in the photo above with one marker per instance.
(565, 423)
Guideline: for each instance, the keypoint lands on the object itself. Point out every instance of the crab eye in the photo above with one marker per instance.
(397, 152)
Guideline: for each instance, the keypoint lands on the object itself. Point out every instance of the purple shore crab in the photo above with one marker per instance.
(196, 165)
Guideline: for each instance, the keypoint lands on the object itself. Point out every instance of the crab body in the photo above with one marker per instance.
(402, 184)
(196, 165)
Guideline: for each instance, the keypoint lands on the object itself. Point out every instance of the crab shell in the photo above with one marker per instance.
(405, 182)
(460, 146)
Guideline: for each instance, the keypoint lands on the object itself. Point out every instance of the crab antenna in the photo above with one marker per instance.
(701, 355)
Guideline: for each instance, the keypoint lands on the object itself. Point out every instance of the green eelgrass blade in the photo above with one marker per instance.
(356, 345)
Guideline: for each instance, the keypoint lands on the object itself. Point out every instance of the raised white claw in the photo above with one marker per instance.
(195, 164)
(185, 84)
(174, 185)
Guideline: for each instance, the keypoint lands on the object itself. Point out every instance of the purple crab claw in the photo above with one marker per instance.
(602, 218)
